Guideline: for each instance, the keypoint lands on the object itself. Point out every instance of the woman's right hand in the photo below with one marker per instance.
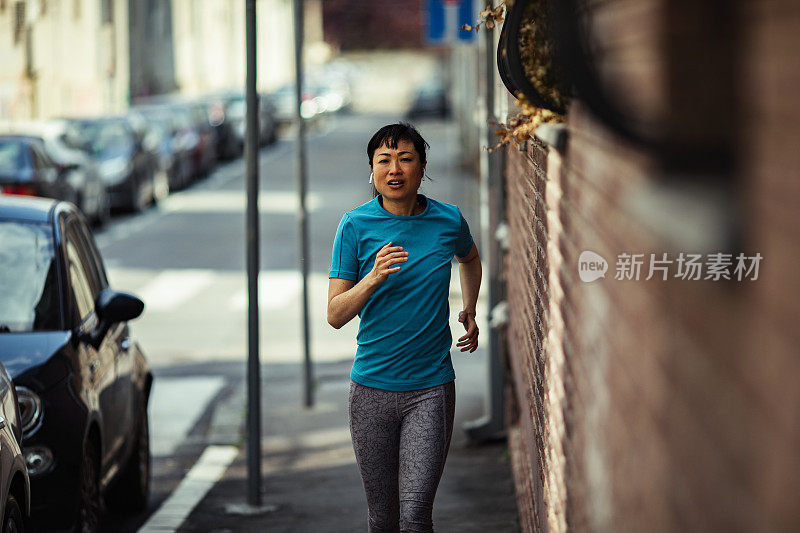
(386, 257)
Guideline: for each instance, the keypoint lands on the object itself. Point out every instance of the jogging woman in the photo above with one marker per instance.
(391, 266)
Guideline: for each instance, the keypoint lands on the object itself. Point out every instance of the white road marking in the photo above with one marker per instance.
(204, 474)
(274, 202)
(171, 288)
(212, 324)
(175, 404)
(276, 290)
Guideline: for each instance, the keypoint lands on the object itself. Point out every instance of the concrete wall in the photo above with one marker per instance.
(663, 405)
(73, 62)
(69, 61)
(209, 44)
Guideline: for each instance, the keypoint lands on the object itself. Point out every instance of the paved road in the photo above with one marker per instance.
(186, 259)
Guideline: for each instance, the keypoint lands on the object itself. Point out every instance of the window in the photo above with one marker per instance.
(86, 284)
(29, 297)
(13, 158)
(107, 11)
(81, 293)
(19, 22)
(40, 159)
(94, 273)
(95, 268)
(108, 139)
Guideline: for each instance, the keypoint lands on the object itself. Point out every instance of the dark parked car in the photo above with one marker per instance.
(193, 126)
(227, 117)
(75, 167)
(430, 100)
(27, 170)
(159, 133)
(126, 167)
(15, 498)
(227, 114)
(82, 381)
(283, 102)
(267, 121)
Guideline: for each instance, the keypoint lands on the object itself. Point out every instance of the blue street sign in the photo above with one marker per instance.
(437, 30)
(436, 21)
(466, 15)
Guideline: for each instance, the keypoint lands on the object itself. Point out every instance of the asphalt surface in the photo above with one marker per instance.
(186, 258)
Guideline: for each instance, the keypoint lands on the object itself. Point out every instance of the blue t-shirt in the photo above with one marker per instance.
(404, 336)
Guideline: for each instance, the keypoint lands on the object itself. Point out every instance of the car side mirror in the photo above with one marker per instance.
(113, 306)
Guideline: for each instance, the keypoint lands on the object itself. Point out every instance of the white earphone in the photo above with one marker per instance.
(370, 177)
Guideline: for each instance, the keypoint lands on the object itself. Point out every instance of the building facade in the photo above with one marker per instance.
(63, 57)
(662, 399)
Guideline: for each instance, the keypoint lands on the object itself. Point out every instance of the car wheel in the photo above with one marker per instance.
(12, 519)
(89, 509)
(132, 489)
(160, 186)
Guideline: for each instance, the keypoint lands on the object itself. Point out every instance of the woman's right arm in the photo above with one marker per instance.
(346, 298)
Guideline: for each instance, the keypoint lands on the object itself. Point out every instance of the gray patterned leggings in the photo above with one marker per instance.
(401, 441)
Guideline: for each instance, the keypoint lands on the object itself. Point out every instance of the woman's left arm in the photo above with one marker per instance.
(469, 270)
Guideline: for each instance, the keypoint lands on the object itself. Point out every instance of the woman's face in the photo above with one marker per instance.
(397, 172)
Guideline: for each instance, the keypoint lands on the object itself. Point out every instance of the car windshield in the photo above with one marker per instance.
(12, 157)
(28, 286)
(107, 140)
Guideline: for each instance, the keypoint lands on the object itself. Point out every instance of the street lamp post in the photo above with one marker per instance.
(308, 397)
(253, 362)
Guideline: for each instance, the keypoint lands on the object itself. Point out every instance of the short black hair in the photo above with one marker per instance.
(391, 134)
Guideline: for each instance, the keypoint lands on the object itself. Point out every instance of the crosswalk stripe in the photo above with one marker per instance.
(170, 288)
(276, 202)
(276, 289)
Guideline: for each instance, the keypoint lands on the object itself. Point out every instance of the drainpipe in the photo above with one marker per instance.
(492, 425)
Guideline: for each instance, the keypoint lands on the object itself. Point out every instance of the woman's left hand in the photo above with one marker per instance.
(469, 342)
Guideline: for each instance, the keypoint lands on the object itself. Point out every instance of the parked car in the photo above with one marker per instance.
(27, 170)
(268, 123)
(127, 169)
(331, 90)
(156, 127)
(82, 381)
(228, 115)
(284, 103)
(75, 167)
(430, 100)
(193, 123)
(15, 501)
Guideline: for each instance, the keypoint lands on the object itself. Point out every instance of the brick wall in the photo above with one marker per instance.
(662, 405)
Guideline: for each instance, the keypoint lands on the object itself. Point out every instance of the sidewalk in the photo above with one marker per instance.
(310, 477)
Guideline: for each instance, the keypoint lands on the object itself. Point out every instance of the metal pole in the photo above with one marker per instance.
(253, 363)
(308, 398)
(491, 426)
